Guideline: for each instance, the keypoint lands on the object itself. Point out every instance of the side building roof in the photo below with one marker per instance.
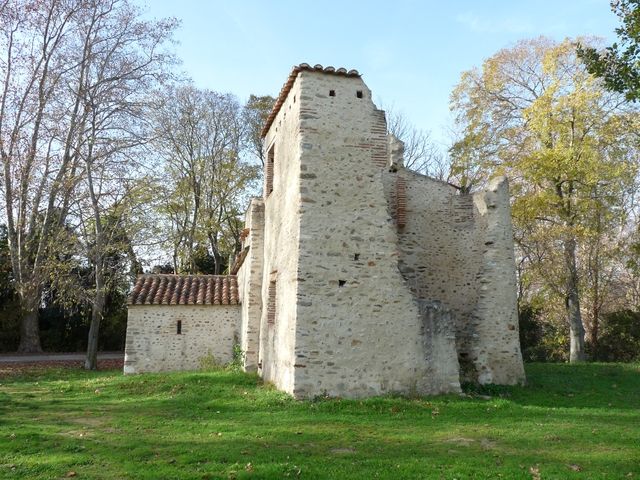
(163, 289)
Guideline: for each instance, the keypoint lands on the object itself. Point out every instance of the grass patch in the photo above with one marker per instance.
(569, 422)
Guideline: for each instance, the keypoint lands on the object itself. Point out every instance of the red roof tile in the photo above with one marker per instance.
(286, 88)
(161, 289)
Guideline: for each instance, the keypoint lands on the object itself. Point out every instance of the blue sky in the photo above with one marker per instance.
(411, 53)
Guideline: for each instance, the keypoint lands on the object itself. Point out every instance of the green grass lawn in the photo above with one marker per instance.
(569, 422)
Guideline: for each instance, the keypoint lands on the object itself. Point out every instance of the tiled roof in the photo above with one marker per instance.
(286, 88)
(160, 289)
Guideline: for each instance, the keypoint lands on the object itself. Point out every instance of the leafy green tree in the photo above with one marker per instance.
(534, 113)
(619, 64)
(256, 112)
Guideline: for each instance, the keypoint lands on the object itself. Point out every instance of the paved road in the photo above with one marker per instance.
(56, 357)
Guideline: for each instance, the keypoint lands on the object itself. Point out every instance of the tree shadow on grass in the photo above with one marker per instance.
(588, 385)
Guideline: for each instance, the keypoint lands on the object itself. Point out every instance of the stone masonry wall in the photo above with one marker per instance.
(440, 254)
(495, 343)
(359, 329)
(250, 285)
(439, 257)
(281, 236)
(446, 256)
(153, 344)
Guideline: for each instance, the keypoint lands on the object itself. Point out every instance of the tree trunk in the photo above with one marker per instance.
(595, 328)
(595, 307)
(572, 303)
(29, 328)
(595, 311)
(91, 362)
(29, 332)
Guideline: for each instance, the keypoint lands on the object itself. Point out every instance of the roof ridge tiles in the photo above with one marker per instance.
(171, 289)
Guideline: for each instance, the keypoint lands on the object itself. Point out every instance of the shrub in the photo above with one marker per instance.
(619, 338)
(237, 363)
(209, 363)
(540, 339)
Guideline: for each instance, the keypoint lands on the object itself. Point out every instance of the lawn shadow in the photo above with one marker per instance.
(586, 385)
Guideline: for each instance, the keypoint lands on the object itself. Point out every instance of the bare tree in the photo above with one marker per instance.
(200, 136)
(73, 75)
(38, 141)
(124, 60)
(256, 112)
(421, 154)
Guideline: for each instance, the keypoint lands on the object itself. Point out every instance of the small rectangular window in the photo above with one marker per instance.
(179, 327)
(332, 93)
(359, 93)
(271, 303)
(269, 171)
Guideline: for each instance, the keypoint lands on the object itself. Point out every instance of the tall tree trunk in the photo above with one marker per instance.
(217, 258)
(596, 272)
(91, 361)
(595, 326)
(29, 329)
(572, 303)
(29, 296)
(592, 337)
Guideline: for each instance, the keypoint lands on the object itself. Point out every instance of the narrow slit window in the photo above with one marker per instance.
(269, 173)
(332, 93)
(179, 327)
(271, 304)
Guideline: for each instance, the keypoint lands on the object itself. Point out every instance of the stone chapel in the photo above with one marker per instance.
(357, 276)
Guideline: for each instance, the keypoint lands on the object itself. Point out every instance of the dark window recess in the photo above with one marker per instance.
(342, 283)
(356, 256)
(269, 167)
(271, 305)
(179, 327)
(359, 94)
(332, 93)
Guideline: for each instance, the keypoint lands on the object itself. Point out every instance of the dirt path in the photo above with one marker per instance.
(56, 357)
(14, 364)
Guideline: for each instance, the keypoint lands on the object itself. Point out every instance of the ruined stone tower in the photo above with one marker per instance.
(359, 277)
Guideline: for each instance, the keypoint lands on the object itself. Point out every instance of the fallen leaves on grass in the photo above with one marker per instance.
(535, 472)
(22, 368)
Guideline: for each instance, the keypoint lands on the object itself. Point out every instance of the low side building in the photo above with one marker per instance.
(176, 322)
